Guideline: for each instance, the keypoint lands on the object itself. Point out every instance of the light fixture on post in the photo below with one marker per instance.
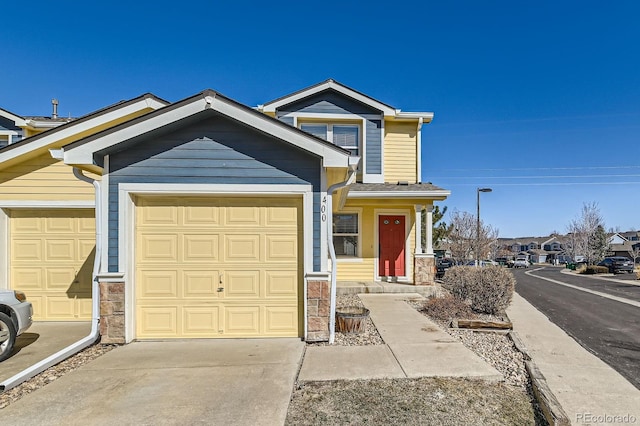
(477, 250)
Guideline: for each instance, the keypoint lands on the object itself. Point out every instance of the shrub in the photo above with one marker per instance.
(594, 269)
(488, 289)
(446, 308)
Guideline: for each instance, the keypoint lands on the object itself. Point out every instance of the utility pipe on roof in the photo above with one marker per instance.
(332, 250)
(94, 334)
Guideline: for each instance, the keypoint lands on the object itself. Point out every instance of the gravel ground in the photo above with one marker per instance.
(442, 401)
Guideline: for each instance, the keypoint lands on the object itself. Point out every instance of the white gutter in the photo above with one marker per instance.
(94, 334)
(419, 153)
(332, 250)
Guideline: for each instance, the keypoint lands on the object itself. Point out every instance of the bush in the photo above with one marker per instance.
(446, 308)
(488, 289)
(594, 269)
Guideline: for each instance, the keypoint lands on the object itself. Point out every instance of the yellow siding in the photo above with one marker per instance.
(43, 179)
(400, 151)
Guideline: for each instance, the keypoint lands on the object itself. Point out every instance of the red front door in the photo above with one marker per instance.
(391, 234)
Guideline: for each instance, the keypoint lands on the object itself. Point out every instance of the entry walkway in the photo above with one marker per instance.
(414, 347)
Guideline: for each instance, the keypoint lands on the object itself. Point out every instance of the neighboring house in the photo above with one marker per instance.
(539, 249)
(14, 128)
(623, 243)
(218, 220)
(47, 214)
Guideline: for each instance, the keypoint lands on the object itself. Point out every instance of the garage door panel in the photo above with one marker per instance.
(281, 216)
(201, 321)
(158, 321)
(198, 215)
(60, 279)
(64, 225)
(201, 284)
(60, 250)
(60, 308)
(241, 284)
(27, 250)
(242, 216)
(159, 248)
(281, 248)
(241, 248)
(51, 259)
(279, 284)
(158, 284)
(242, 320)
(281, 320)
(160, 215)
(198, 248)
(27, 279)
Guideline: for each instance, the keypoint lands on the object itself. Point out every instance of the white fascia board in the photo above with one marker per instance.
(397, 194)
(37, 124)
(19, 121)
(75, 128)
(271, 107)
(427, 117)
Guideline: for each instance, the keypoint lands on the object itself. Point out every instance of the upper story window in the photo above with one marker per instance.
(346, 136)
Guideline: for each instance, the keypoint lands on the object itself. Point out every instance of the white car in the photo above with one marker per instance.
(521, 262)
(15, 318)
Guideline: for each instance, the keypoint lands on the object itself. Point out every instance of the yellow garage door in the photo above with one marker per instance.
(218, 267)
(51, 260)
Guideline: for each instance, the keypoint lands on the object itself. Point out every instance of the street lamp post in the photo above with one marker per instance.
(478, 227)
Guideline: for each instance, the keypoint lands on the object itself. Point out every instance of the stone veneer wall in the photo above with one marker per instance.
(112, 312)
(318, 309)
(424, 270)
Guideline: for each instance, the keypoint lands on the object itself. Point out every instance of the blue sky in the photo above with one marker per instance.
(539, 101)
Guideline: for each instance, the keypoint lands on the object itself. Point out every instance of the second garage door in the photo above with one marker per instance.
(218, 267)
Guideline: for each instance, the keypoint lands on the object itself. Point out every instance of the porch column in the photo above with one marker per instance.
(418, 208)
(429, 225)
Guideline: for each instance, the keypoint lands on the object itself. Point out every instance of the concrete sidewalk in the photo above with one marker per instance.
(588, 390)
(415, 347)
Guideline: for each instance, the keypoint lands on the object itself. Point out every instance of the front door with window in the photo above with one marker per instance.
(391, 231)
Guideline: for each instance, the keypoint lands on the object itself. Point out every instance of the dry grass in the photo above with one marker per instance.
(427, 401)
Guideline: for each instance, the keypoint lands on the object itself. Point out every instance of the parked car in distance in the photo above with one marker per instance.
(521, 262)
(16, 315)
(442, 265)
(617, 264)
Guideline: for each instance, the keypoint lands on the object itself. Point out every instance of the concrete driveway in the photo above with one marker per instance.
(226, 382)
(39, 341)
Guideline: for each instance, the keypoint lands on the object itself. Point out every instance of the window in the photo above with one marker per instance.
(345, 234)
(346, 136)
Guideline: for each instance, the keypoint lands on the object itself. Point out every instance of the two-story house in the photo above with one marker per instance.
(215, 219)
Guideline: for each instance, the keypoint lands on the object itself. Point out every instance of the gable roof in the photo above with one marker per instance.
(17, 119)
(330, 84)
(42, 141)
(82, 151)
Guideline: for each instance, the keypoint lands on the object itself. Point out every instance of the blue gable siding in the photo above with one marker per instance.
(213, 150)
(330, 102)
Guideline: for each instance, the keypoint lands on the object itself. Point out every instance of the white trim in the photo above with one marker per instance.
(438, 194)
(75, 128)
(324, 248)
(127, 232)
(332, 156)
(104, 264)
(350, 210)
(419, 151)
(408, 267)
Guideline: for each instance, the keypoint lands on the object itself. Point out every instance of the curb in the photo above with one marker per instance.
(551, 408)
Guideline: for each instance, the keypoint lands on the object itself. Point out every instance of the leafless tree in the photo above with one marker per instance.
(463, 237)
(582, 232)
(634, 252)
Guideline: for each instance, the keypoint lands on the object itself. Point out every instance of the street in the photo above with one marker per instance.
(606, 324)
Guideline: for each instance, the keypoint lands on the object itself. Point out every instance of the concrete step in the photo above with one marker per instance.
(359, 287)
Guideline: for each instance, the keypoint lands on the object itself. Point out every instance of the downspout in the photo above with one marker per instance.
(94, 334)
(419, 151)
(332, 251)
